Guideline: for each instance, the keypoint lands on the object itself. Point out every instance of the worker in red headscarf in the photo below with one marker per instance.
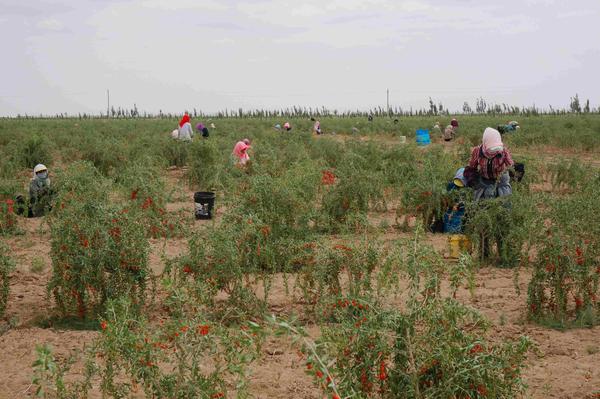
(185, 119)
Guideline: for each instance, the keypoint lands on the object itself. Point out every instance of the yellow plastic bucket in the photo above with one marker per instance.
(458, 243)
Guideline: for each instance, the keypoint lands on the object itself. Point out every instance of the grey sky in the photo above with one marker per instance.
(62, 55)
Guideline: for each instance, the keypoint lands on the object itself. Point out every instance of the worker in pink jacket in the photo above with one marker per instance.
(240, 151)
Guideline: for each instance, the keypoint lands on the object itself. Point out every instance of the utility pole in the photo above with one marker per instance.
(107, 103)
(388, 101)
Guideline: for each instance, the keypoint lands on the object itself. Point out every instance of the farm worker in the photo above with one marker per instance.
(40, 193)
(454, 218)
(240, 151)
(202, 129)
(278, 127)
(454, 123)
(185, 119)
(212, 126)
(317, 128)
(511, 126)
(287, 126)
(451, 220)
(449, 133)
(491, 160)
(437, 130)
(186, 133)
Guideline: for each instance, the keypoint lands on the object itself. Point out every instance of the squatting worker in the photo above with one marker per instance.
(511, 126)
(449, 133)
(317, 128)
(40, 194)
(202, 129)
(186, 132)
(491, 160)
(240, 152)
(184, 119)
(436, 130)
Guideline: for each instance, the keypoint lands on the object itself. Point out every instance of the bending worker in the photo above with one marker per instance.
(491, 161)
(40, 194)
(186, 132)
(240, 152)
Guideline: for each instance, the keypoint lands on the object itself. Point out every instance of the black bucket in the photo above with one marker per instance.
(204, 202)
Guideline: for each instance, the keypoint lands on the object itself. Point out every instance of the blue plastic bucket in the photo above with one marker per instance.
(423, 137)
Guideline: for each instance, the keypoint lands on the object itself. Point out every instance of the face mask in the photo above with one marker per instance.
(42, 175)
(494, 150)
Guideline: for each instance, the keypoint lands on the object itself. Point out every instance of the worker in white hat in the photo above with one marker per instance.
(39, 191)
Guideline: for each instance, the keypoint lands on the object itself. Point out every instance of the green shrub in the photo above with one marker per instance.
(99, 250)
(31, 150)
(6, 267)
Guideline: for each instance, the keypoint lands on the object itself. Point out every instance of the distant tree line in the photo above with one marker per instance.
(482, 107)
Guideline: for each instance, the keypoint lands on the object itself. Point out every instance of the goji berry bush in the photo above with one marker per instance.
(313, 212)
(564, 289)
(99, 250)
(8, 218)
(186, 357)
(6, 267)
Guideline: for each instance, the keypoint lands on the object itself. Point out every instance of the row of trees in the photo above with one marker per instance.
(482, 107)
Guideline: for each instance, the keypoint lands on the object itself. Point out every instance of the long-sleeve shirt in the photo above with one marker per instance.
(186, 132)
(490, 168)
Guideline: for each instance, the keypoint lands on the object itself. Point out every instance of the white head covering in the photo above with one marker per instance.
(39, 168)
(492, 141)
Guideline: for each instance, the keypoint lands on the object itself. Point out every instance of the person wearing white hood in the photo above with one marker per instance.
(492, 160)
(40, 191)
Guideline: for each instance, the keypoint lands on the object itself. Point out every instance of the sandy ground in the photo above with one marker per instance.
(565, 365)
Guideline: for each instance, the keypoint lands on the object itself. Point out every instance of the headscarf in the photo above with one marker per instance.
(199, 126)
(286, 125)
(241, 147)
(492, 142)
(184, 120)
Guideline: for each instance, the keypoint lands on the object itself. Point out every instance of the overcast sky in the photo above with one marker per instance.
(171, 55)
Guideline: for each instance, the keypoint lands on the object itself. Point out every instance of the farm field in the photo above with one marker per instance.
(315, 278)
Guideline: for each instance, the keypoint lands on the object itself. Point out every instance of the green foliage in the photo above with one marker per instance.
(189, 357)
(434, 347)
(355, 192)
(176, 152)
(31, 150)
(99, 250)
(8, 218)
(206, 165)
(7, 265)
(564, 288)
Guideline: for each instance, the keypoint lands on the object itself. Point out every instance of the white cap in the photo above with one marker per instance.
(39, 168)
